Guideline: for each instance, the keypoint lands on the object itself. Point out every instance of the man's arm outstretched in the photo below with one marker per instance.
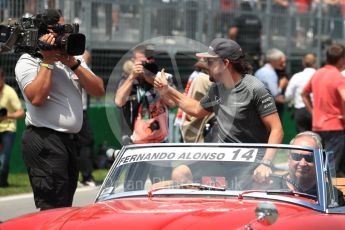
(189, 105)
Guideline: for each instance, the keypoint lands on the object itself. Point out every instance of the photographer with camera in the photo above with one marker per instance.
(144, 112)
(10, 110)
(51, 81)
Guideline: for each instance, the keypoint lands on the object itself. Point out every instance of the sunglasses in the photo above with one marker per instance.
(211, 61)
(299, 157)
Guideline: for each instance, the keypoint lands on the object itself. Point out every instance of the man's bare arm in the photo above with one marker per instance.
(307, 101)
(123, 91)
(274, 126)
(90, 82)
(38, 90)
(170, 103)
(190, 106)
(342, 95)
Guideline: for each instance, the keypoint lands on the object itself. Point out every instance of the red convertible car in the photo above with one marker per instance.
(207, 186)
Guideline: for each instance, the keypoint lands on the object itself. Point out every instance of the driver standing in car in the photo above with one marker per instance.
(244, 108)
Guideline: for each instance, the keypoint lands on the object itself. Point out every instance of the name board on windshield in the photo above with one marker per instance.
(188, 154)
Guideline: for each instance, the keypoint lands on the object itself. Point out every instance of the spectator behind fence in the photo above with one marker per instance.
(335, 26)
(84, 138)
(166, 18)
(302, 21)
(246, 31)
(243, 107)
(332, 20)
(193, 128)
(10, 111)
(328, 88)
(272, 74)
(280, 12)
(51, 82)
(227, 7)
(294, 89)
(145, 112)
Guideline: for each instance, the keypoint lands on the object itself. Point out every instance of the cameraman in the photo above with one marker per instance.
(10, 110)
(51, 82)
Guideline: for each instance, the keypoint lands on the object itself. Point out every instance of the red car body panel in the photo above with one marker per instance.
(174, 213)
(123, 203)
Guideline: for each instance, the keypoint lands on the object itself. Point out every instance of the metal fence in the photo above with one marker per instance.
(113, 26)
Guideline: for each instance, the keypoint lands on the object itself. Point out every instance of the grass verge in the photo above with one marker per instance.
(19, 182)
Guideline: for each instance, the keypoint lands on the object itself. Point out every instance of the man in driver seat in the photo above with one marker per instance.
(302, 174)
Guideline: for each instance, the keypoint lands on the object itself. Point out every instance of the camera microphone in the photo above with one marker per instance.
(112, 153)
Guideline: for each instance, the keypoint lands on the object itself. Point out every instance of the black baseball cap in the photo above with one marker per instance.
(223, 48)
(51, 16)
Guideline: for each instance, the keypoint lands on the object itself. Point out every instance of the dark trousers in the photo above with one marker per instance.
(84, 141)
(7, 140)
(51, 161)
(302, 120)
(335, 141)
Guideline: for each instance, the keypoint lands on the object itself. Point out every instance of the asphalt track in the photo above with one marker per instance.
(15, 206)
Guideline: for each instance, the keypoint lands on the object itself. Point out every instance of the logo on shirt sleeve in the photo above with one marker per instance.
(267, 101)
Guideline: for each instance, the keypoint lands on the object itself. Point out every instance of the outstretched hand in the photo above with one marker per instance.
(161, 83)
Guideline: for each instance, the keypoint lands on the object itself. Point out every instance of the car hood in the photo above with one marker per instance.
(162, 213)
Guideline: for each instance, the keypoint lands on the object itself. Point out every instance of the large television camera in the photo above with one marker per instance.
(23, 36)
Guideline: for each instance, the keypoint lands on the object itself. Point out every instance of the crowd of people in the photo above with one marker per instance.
(247, 105)
(227, 99)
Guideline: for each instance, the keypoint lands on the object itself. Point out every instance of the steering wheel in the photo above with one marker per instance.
(286, 179)
(298, 188)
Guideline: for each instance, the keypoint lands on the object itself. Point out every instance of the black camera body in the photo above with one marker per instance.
(23, 36)
(3, 112)
(150, 68)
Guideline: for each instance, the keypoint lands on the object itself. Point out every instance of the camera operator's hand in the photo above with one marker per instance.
(161, 83)
(49, 56)
(138, 70)
(67, 59)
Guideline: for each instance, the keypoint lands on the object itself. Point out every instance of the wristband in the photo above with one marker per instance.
(48, 66)
(74, 67)
(266, 162)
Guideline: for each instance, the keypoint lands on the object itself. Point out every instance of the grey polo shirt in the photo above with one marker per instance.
(239, 110)
(63, 109)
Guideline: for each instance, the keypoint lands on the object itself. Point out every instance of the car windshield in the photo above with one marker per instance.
(213, 168)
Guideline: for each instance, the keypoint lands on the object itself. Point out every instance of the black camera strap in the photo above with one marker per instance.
(144, 102)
